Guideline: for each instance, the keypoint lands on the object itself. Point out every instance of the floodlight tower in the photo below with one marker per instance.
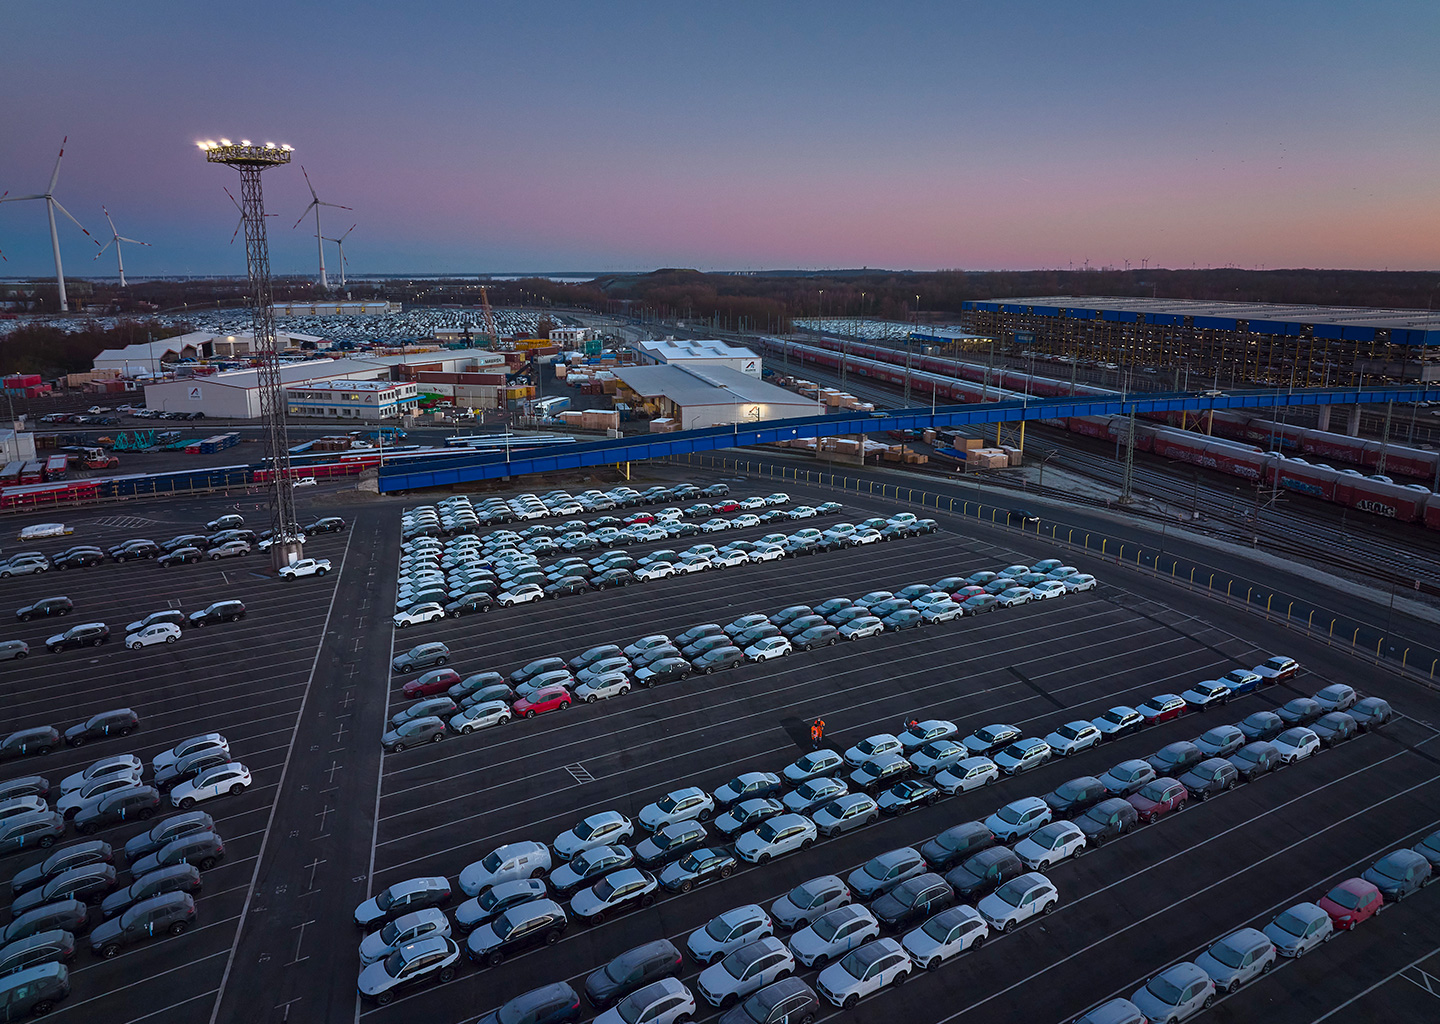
(249, 160)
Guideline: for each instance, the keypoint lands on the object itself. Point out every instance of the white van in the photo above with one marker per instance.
(45, 530)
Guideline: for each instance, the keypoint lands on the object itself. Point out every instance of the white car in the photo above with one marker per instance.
(867, 970)
(778, 498)
(873, 746)
(941, 611)
(937, 755)
(432, 955)
(971, 773)
(126, 766)
(748, 969)
(646, 643)
(1073, 737)
(1048, 589)
(814, 793)
(305, 567)
(610, 684)
(751, 503)
(1080, 581)
(770, 647)
(949, 933)
(1018, 900)
(775, 836)
(655, 571)
(1050, 844)
(693, 563)
(522, 594)
(1019, 818)
(833, 934)
(1296, 744)
(716, 525)
(677, 805)
(862, 628)
(407, 928)
(726, 559)
(803, 512)
(265, 543)
(862, 537)
(602, 829)
(742, 521)
(667, 1001)
(1013, 596)
(429, 611)
(160, 633)
(1337, 697)
(767, 553)
(233, 778)
(727, 932)
(481, 716)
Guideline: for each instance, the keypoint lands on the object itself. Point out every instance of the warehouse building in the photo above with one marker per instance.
(236, 394)
(153, 357)
(692, 354)
(367, 400)
(1229, 343)
(690, 397)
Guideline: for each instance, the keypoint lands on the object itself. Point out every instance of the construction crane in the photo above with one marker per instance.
(489, 317)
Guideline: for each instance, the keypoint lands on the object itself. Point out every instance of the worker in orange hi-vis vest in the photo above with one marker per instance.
(817, 732)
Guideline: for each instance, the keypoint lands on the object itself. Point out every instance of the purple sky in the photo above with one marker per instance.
(501, 136)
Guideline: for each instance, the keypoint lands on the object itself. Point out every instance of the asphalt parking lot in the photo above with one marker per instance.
(1126, 911)
(245, 679)
(301, 687)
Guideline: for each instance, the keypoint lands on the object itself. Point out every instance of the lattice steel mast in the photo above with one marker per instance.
(250, 161)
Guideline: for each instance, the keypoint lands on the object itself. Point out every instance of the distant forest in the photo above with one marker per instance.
(767, 301)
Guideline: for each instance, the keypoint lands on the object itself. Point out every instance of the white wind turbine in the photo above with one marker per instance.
(115, 239)
(51, 205)
(340, 245)
(315, 203)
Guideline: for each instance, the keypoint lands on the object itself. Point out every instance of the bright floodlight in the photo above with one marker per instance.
(224, 142)
(227, 152)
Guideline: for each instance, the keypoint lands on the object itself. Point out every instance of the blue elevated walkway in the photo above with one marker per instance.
(445, 471)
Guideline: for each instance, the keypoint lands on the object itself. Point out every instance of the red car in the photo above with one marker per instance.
(1157, 798)
(1162, 707)
(964, 592)
(640, 518)
(548, 698)
(728, 506)
(431, 683)
(1351, 902)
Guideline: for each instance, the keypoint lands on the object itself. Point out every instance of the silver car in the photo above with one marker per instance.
(1300, 929)
(810, 900)
(1237, 958)
(1175, 994)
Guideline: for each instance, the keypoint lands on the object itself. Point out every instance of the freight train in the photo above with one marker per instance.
(1410, 503)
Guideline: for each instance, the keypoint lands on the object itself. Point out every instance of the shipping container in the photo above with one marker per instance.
(32, 473)
(56, 467)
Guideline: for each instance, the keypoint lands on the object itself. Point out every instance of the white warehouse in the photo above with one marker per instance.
(700, 354)
(368, 400)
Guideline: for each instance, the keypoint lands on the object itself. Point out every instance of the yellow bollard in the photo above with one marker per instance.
(1228, 586)
(1404, 657)
(1356, 638)
(1103, 542)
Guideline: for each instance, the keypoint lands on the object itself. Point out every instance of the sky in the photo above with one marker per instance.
(558, 135)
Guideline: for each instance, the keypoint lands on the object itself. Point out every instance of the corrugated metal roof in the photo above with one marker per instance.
(706, 385)
(1420, 319)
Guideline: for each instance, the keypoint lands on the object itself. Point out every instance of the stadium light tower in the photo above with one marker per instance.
(286, 545)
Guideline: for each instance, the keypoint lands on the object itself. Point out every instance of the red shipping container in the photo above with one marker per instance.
(22, 380)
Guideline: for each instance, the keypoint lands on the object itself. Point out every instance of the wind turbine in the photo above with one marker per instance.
(51, 205)
(115, 239)
(340, 245)
(315, 203)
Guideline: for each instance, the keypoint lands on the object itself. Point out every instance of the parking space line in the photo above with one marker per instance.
(259, 859)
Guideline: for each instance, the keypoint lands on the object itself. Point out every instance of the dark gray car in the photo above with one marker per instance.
(203, 849)
(1211, 776)
(88, 883)
(40, 739)
(33, 991)
(175, 878)
(170, 914)
(66, 915)
(166, 831)
(631, 970)
(54, 946)
(92, 851)
(787, 1001)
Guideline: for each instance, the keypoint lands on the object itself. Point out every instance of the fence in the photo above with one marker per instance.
(1412, 659)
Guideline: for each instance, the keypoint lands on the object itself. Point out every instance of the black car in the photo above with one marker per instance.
(1336, 727)
(983, 873)
(129, 804)
(40, 739)
(220, 611)
(550, 1004)
(957, 843)
(568, 585)
(696, 868)
(670, 842)
(170, 913)
(1107, 819)
(45, 606)
(1175, 759)
(793, 627)
(91, 851)
(185, 540)
(78, 558)
(119, 722)
(1398, 874)
(1255, 759)
(822, 635)
(912, 900)
(132, 549)
(88, 883)
(787, 1001)
(1300, 711)
(612, 578)
(666, 670)
(34, 990)
(180, 556)
(87, 634)
(52, 947)
(718, 659)
(163, 832)
(537, 923)
(1022, 516)
(203, 849)
(705, 644)
(1211, 776)
(69, 915)
(477, 602)
(631, 970)
(326, 524)
(1075, 797)
(1262, 725)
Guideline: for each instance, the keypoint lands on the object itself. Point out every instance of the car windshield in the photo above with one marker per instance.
(1291, 923)
(1164, 990)
(858, 962)
(492, 861)
(383, 900)
(394, 963)
(1347, 899)
(826, 927)
(586, 829)
(767, 832)
(1206, 772)
(802, 896)
(878, 870)
(1115, 717)
(738, 962)
(629, 1010)
(1013, 892)
(720, 929)
(938, 928)
(1153, 791)
(604, 889)
(1010, 814)
(1227, 954)
(1217, 737)
(667, 804)
(1387, 869)
(1068, 732)
(389, 934)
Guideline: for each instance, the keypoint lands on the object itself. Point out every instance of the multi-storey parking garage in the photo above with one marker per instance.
(301, 688)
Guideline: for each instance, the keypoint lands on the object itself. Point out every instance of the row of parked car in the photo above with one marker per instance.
(1185, 989)
(113, 789)
(446, 702)
(514, 890)
(458, 514)
(160, 627)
